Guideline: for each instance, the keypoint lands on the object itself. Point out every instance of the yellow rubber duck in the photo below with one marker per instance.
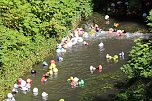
(53, 65)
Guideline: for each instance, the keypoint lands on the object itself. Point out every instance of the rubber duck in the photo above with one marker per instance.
(101, 44)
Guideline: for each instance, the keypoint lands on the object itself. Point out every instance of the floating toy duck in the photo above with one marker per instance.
(50, 67)
(60, 49)
(92, 69)
(10, 97)
(55, 70)
(75, 82)
(21, 83)
(106, 17)
(108, 56)
(116, 24)
(43, 80)
(69, 44)
(111, 30)
(100, 68)
(52, 62)
(74, 41)
(45, 63)
(44, 94)
(86, 35)
(85, 43)
(80, 39)
(24, 89)
(16, 86)
(35, 91)
(50, 72)
(53, 65)
(93, 32)
(115, 57)
(28, 84)
(60, 58)
(101, 44)
(15, 89)
(81, 83)
(65, 45)
(70, 79)
(75, 79)
(80, 30)
(119, 32)
(29, 81)
(121, 53)
(33, 71)
(61, 100)
(46, 75)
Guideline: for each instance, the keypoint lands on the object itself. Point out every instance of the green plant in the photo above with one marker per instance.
(140, 63)
(150, 20)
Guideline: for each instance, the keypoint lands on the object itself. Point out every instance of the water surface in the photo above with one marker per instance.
(77, 61)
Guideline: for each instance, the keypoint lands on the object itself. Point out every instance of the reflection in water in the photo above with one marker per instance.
(101, 49)
(44, 96)
(35, 93)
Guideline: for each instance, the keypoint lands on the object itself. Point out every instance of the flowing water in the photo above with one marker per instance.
(77, 61)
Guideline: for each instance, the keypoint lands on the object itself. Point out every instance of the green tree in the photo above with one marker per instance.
(139, 71)
(140, 63)
(150, 20)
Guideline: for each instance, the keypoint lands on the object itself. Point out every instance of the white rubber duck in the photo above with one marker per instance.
(101, 44)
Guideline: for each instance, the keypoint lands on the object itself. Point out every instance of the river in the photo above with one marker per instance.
(77, 61)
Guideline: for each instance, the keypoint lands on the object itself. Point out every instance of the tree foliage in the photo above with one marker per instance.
(30, 29)
(139, 71)
(140, 64)
(150, 20)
